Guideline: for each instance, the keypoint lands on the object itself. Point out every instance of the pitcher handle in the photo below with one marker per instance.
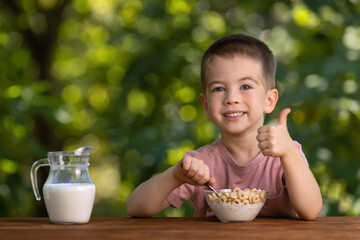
(33, 175)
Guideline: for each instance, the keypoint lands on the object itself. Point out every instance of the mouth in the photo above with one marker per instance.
(233, 114)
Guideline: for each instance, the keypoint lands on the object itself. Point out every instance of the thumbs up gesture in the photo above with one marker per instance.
(274, 140)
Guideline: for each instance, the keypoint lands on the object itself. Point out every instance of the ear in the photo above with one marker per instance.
(204, 102)
(271, 99)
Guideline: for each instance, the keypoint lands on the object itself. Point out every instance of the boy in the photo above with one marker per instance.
(238, 89)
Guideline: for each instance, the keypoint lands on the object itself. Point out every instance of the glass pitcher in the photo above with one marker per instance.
(69, 192)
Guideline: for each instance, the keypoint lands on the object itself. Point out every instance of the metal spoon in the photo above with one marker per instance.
(212, 189)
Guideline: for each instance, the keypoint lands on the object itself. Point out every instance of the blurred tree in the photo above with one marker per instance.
(123, 76)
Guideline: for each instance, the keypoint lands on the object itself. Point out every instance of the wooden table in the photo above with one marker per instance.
(182, 228)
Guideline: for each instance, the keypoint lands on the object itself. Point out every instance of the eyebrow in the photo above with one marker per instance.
(239, 80)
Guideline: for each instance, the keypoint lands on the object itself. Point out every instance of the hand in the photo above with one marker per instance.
(194, 171)
(275, 140)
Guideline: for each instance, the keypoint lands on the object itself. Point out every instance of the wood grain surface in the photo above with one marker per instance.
(182, 228)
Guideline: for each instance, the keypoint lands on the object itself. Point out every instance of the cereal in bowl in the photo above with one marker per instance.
(238, 196)
(236, 204)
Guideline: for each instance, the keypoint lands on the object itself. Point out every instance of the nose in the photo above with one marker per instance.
(231, 98)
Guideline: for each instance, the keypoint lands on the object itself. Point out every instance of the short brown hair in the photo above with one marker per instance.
(241, 44)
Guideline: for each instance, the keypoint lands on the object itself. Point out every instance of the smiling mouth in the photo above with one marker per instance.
(233, 114)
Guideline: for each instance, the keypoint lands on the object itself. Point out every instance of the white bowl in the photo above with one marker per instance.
(236, 205)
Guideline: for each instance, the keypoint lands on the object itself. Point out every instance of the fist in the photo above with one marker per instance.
(274, 140)
(194, 171)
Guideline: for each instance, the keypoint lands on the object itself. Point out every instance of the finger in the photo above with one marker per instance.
(203, 174)
(263, 129)
(200, 176)
(283, 116)
(262, 137)
(186, 163)
(263, 145)
(194, 168)
(267, 152)
(211, 181)
(206, 176)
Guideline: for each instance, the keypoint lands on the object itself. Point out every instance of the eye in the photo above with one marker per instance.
(245, 87)
(218, 89)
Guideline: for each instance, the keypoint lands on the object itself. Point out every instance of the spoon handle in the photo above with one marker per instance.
(212, 189)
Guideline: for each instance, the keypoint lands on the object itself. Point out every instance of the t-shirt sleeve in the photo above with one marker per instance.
(298, 145)
(180, 194)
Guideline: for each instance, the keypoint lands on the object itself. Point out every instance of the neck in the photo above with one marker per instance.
(242, 148)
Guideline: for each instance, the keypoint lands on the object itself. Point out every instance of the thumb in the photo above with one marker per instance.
(283, 116)
(211, 181)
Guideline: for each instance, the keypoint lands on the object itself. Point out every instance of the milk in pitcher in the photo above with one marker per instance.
(69, 202)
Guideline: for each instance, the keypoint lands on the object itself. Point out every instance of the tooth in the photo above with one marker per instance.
(233, 114)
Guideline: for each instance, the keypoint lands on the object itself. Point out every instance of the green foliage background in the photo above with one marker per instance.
(123, 77)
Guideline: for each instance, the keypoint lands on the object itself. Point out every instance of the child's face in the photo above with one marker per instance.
(236, 99)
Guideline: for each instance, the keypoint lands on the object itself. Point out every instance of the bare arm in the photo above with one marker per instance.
(303, 190)
(149, 198)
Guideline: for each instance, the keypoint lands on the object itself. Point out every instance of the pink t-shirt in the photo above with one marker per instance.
(262, 172)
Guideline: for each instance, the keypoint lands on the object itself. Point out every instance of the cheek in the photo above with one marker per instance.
(214, 107)
(257, 104)
(211, 107)
(255, 100)
(213, 101)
